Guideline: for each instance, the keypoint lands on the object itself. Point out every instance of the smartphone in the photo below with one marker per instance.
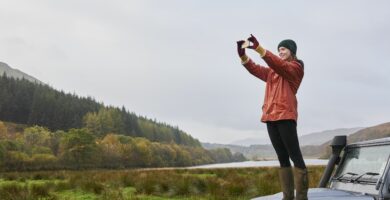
(246, 44)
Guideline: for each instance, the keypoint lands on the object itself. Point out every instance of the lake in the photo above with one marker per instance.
(268, 163)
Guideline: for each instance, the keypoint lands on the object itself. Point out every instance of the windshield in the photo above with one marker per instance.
(360, 160)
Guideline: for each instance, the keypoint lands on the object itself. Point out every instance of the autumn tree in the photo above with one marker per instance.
(107, 120)
(79, 150)
(3, 131)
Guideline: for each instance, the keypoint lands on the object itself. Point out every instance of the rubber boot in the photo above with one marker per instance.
(286, 179)
(301, 180)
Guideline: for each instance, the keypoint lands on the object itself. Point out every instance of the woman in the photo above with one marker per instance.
(283, 78)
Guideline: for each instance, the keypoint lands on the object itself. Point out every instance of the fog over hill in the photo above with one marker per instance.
(15, 73)
(369, 133)
(318, 138)
(315, 138)
(313, 145)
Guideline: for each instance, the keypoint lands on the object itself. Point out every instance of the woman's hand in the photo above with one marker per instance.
(256, 46)
(254, 41)
(240, 50)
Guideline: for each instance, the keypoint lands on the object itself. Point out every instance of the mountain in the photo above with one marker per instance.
(265, 151)
(251, 141)
(319, 138)
(375, 132)
(253, 152)
(90, 134)
(313, 145)
(370, 133)
(24, 102)
(15, 73)
(315, 138)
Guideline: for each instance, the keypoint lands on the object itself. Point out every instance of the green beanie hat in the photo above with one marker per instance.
(289, 44)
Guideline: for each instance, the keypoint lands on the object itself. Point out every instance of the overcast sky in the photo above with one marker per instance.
(176, 61)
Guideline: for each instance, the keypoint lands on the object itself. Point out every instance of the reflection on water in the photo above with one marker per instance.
(269, 163)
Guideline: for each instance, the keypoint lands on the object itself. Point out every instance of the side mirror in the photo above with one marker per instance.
(338, 144)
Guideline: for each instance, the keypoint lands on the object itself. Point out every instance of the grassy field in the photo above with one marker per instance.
(156, 184)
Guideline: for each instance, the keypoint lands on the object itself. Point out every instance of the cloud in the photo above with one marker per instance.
(176, 61)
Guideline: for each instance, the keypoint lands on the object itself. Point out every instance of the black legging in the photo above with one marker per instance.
(284, 139)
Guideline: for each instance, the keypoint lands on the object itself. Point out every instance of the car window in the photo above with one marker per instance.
(360, 160)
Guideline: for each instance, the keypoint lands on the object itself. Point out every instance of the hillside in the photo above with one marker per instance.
(316, 138)
(25, 102)
(15, 73)
(254, 152)
(319, 138)
(370, 133)
(264, 151)
(251, 141)
(37, 148)
(43, 128)
(375, 132)
(310, 151)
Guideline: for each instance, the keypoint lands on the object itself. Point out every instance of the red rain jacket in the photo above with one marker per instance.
(282, 82)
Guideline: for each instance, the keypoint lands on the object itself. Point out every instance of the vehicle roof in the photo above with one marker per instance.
(375, 142)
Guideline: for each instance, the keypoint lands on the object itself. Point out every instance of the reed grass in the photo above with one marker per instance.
(158, 184)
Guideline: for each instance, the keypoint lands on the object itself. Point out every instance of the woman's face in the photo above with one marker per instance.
(284, 53)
